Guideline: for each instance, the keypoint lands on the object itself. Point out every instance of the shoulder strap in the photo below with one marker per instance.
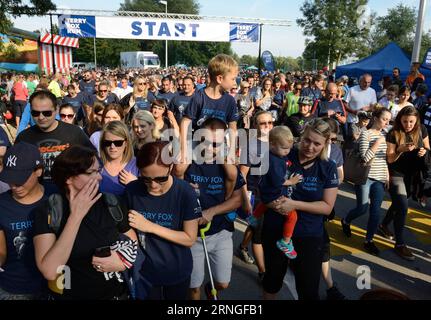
(114, 207)
(55, 211)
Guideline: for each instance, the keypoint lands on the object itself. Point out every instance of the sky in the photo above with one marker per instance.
(281, 41)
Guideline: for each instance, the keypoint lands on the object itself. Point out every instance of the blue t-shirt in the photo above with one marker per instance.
(257, 160)
(112, 184)
(314, 94)
(166, 263)
(279, 97)
(111, 98)
(77, 102)
(168, 96)
(202, 107)
(21, 275)
(320, 176)
(87, 87)
(178, 104)
(4, 140)
(271, 184)
(142, 104)
(212, 190)
(324, 106)
(336, 155)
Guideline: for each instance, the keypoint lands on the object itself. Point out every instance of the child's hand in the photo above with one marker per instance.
(294, 179)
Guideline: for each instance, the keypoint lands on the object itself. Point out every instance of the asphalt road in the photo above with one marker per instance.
(386, 270)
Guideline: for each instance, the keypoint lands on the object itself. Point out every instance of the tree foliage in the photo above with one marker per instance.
(398, 25)
(334, 29)
(16, 8)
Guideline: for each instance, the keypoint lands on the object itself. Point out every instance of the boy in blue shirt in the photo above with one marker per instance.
(214, 102)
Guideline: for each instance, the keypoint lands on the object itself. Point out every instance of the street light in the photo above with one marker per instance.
(166, 41)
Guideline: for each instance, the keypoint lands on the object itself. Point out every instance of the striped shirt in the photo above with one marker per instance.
(379, 166)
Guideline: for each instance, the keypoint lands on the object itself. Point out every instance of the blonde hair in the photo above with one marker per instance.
(280, 134)
(118, 129)
(220, 65)
(145, 116)
(323, 129)
(135, 88)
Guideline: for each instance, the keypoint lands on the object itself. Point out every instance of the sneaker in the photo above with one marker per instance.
(208, 292)
(371, 248)
(287, 248)
(385, 232)
(423, 202)
(252, 221)
(245, 256)
(334, 294)
(404, 252)
(346, 228)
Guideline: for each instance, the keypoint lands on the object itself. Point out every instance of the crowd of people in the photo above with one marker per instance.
(108, 176)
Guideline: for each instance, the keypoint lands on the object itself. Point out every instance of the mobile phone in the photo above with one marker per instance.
(102, 252)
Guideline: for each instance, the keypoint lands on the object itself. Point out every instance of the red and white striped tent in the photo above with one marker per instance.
(62, 51)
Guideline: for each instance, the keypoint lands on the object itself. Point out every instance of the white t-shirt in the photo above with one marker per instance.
(121, 92)
(357, 99)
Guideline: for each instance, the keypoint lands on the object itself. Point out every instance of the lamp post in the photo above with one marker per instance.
(419, 30)
(166, 41)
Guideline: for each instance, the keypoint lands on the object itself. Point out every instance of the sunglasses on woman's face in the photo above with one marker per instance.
(64, 116)
(46, 114)
(108, 143)
(158, 180)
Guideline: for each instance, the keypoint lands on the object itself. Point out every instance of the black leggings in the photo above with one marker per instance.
(307, 267)
(178, 291)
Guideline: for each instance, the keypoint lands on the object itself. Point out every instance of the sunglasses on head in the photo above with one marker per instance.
(46, 114)
(108, 143)
(64, 116)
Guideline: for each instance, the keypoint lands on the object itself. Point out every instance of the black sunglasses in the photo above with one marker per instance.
(108, 143)
(159, 180)
(46, 114)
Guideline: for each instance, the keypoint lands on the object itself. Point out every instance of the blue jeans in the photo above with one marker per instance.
(375, 191)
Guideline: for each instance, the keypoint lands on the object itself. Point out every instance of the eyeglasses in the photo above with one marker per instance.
(158, 180)
(64, 116)
(108, 143)
(103, 90)
(46, 114)
(141, 83)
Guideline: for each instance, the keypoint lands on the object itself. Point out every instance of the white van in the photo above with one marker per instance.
(139, 59)
(83, 65)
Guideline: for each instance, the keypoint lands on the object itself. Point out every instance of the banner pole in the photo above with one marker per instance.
(95, 53)
(260, 49)
(52, 45)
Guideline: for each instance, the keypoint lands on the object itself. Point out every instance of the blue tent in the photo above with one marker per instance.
(379, 64)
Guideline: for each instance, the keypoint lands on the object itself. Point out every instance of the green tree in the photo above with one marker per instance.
(334, 29)
(399, 26)
(15, 8)
(248, 60)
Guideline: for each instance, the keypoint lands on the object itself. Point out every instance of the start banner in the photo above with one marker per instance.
(156, 29)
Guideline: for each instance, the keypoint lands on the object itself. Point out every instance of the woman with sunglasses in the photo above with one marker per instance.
(257, 153)
(165, 212)
(112, 112)
(137, 100)
(86, 241)
(245, 105)
(67, 113)
(116, 152)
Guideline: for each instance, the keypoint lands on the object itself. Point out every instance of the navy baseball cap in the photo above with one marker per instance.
(19, 163)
